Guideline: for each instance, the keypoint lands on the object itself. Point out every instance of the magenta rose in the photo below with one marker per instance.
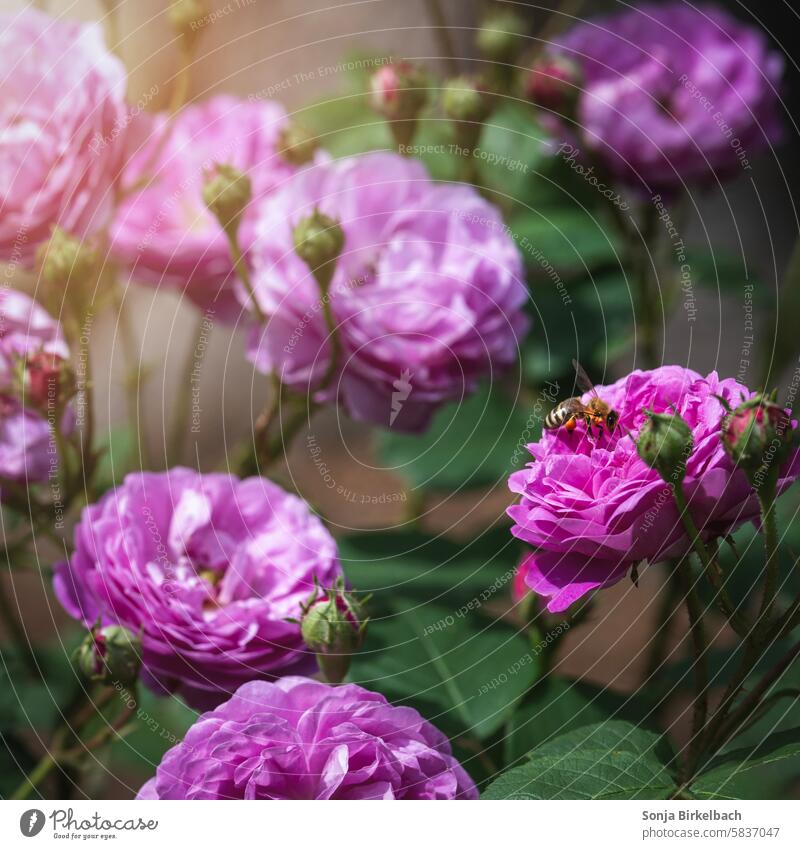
(427, 296)
(164, 233)
(62, 130)
(26, 332)
(593, 509)
(208, 568)
(301, 739)
(674, 93)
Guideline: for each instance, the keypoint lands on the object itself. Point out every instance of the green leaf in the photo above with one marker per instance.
(559, 705)
(739, 774)
(461, 673)
(567, 238)
(116, 459)
(430, 569)
(475, 443)
(608, 760)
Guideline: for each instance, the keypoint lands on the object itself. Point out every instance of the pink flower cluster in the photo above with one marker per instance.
(593, 509)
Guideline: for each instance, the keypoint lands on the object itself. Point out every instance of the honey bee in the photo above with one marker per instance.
(596, 413)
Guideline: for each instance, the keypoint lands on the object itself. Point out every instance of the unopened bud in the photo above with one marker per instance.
(63, 259)
(49, 382)
(665, 443)
(333, 627)
(297, 145)
(109, 655)
(465, 99)
(318, 241)
(757, 435)
(227, 192)
(502, 35)
(554, 83)
(187, 16)
(399, 91)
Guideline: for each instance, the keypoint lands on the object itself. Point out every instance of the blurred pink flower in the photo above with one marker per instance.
(63, 122)
(428, 294)
(163, 232)
(26, 330)
(674, 92)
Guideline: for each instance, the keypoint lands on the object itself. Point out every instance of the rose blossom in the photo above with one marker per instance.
(674, 93)
(427, 296)
(26, 330)
(208, 568)
(62, 121)
(164, 232)
(301, 739)
(594, 509)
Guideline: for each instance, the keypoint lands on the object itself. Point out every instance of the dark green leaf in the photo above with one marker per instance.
(463, 674)
(477, 442)
(608, 760)
(559, 705)
(739, 774)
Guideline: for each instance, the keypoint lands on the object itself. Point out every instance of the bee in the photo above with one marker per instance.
(596, 413)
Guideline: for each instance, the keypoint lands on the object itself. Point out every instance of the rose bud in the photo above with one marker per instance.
(48, 381)
(187, 16)
(502, 35)
(64, 258)
(296, 144)
(109, 655)
(467, 104)
(756, 434)
(554, 83)
(333, 627)
(399, 91)
(318, 241)
(665, 444)
(227, 192)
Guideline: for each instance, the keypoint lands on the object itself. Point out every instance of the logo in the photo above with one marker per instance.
(402, 387)
(31, 822)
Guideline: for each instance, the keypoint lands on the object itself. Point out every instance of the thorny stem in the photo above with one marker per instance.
(444, 35)
(55, 754)
(700, 649)
(766, 499)
(183, 401)
(243, 272)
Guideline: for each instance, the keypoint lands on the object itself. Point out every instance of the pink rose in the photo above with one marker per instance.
(164, 232)
(62, 130)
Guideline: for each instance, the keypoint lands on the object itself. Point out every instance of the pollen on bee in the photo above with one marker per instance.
(570, 424)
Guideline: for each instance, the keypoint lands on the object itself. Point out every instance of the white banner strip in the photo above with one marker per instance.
(405, 825)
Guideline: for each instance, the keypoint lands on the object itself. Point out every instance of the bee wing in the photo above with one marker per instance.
(584, 383)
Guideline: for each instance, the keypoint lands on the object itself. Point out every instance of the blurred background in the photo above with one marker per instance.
(302, 50)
